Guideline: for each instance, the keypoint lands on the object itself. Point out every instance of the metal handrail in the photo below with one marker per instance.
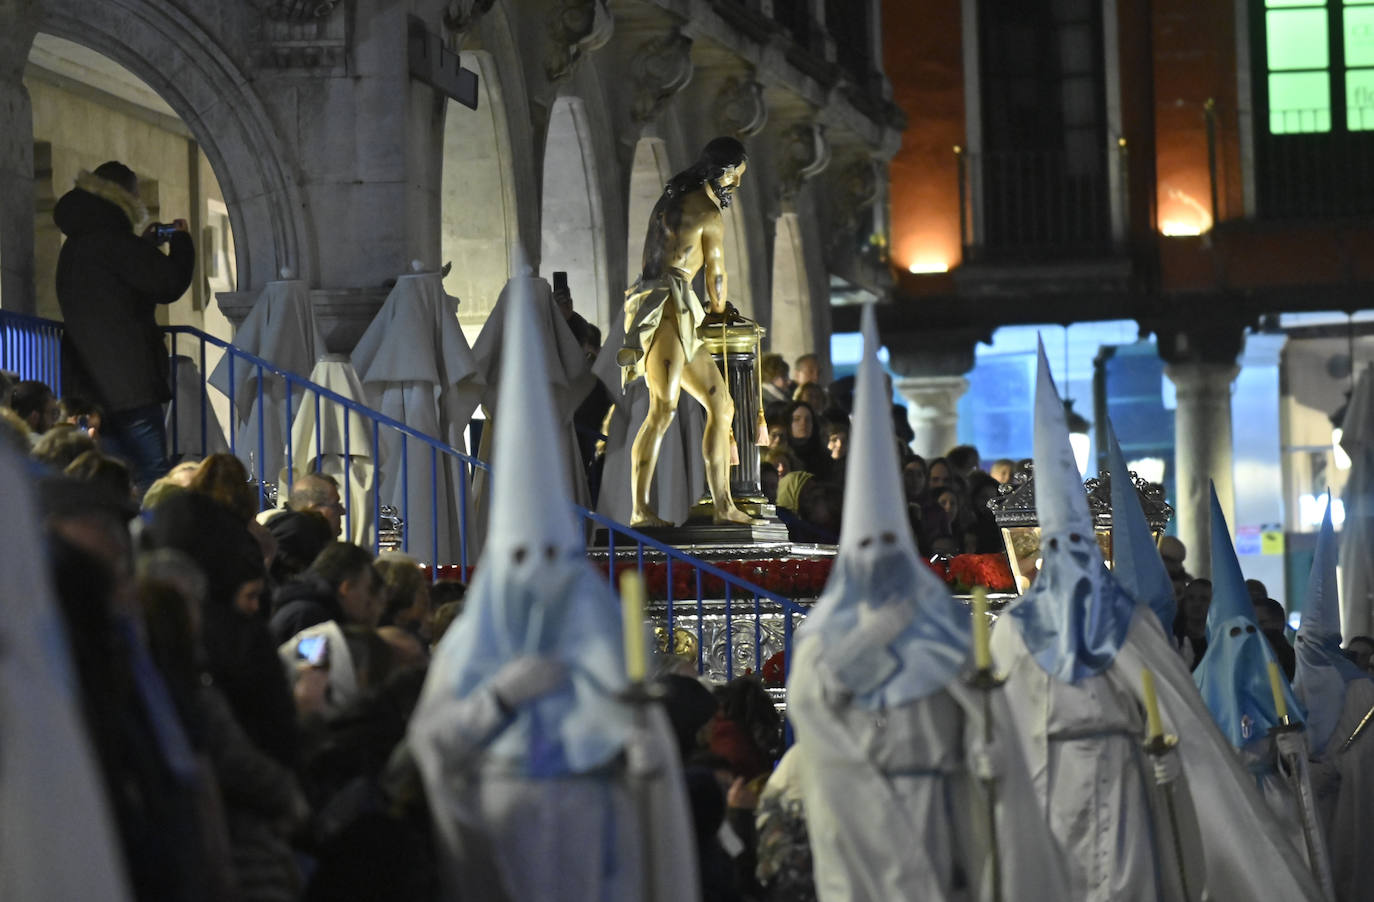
(31, 347)
(19, 332)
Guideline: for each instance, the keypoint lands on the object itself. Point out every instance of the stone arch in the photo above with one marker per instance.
(791, 333)
(649, 172)
(215, 99)
(480, 204)
(572, 219)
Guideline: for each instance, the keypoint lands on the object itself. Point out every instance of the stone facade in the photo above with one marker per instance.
(335, 163)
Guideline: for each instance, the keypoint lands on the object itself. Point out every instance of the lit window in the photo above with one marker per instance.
(1297, 53)
(1358, 35)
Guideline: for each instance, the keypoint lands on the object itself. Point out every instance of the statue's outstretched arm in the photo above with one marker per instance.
(713, 261)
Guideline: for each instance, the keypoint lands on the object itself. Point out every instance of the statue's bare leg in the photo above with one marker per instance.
(663, 364)
(703, 381)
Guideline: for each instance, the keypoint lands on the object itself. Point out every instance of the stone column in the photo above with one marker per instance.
(18, 24)
(933, 411)
(1202, 452)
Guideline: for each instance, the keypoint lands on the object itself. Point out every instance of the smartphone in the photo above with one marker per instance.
(314, 650)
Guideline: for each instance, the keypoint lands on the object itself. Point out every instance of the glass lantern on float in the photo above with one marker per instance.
(1014, 511)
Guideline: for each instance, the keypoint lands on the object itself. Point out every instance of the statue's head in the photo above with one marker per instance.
(724, 161)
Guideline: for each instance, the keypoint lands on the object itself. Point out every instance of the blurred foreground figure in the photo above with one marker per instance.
(542, 785)
(57, 836)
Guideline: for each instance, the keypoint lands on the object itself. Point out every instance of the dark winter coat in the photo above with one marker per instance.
(109, 283)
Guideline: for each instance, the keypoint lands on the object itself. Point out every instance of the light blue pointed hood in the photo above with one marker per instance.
(1233, 675)
(1323, 669)
(1136, 564)
(1075, 617)
(886, 624)
(534, 593)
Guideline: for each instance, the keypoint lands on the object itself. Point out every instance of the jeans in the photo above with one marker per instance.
(139, 436)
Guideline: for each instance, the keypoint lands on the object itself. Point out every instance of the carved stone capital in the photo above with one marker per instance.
(661, 67)
(805, 154)
(302, 34)
(576, 28)
(295, 10)
(740, 108)
(460, 16)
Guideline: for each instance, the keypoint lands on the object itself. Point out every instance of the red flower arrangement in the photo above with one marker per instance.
(988, 570)
(788, 577)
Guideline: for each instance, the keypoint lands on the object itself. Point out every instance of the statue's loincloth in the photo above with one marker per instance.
(644, 304)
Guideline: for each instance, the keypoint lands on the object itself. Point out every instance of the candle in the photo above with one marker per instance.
(982, 654)
(1153, 727)
(632, 613)
(1276, 687)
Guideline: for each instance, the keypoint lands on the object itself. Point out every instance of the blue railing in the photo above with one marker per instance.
(743, 622)
(31, 347)
(298, 387)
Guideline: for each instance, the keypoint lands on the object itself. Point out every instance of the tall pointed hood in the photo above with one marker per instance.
(531, 510)
(1136, 564)
(887, 624)
(1075, 617)
(1323, 670)
(534, 593)
(1233, 675)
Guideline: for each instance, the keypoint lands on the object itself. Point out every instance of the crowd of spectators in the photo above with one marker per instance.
(246, 680)
(803, 467)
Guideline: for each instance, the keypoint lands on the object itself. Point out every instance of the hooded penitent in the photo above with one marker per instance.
(1233, 676)
(539, 801)
(881, 595)
(1323, 670)
(534, 593)
(1136, 564)
(1075, 616)
(886, 723)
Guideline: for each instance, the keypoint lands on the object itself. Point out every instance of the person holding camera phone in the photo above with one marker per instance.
(110, 280)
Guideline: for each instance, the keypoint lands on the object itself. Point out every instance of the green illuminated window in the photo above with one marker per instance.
(1298, 58)
(1357, 34)
(1303, 81)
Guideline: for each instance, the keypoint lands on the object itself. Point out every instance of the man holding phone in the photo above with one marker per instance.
(109, 283)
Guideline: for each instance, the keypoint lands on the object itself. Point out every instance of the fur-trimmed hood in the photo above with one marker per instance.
(97, 204)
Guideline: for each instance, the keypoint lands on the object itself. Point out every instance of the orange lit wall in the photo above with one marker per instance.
(923, 60)
(1194, 60)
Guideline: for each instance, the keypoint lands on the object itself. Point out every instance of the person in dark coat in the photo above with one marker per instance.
(240, 654)
(109, 283)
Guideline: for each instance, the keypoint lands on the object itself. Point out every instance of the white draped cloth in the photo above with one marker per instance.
(57, 833)
(337, 442)
(417, 368)
(570, 379)
(281, 330)
(679, 475)
(1357, 535)
(183, 419)
(1081, 743)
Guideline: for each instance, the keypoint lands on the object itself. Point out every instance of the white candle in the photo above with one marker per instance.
(982, 652)
(632, 613)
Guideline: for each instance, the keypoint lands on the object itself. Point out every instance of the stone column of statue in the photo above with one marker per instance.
(662, 314)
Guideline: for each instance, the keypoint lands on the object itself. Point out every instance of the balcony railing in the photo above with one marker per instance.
(1309, 163)
(1030, 205)
(736, 624)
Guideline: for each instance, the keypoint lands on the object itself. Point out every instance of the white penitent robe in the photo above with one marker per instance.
(1085, 751)
(592, 837)
(891, 808)
(1245, 853)
(1344, 786)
